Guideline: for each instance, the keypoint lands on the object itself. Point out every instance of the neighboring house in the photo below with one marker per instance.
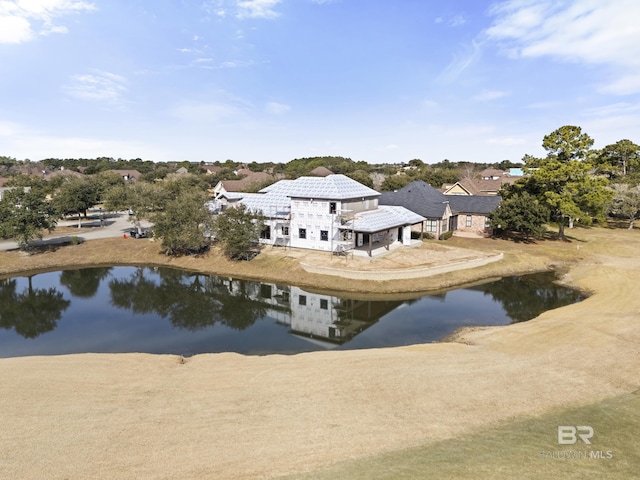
(63, 173)
(127, 174)
(461, 213)
(224, 200)
(37, 170)
(211, 169)
(250, 179)
(470, 213)
(423, 199)
(482, 186)
(320, 172)
(333, 213)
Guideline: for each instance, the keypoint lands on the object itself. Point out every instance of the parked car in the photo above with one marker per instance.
(134, 233)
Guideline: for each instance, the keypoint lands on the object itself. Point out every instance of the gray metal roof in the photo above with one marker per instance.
(383, 218)
(331, 187)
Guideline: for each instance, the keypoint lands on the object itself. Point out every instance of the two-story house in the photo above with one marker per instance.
(332, 213)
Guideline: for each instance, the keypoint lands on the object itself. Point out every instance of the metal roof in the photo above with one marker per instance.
(331, 187)
(272, 205)
(383, 218)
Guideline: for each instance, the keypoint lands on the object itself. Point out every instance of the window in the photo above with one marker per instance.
(266, 232)
(324, 304)
(302, 300)
(468, 224)
(302, 232)
(324, 235)
(332, 207)
(265, 291)
(285, 231)
(431, 226)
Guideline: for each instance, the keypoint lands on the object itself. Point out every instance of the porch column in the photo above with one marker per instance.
(370, 243)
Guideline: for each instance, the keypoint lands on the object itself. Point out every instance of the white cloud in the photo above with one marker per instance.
(275, 108)
(257, 8)
(488, 95)
(460, 63)
(14, 29)
(19, 19)
(97, 86)
(457, 21)
(581, 31)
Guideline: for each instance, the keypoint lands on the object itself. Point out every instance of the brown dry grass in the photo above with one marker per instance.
(279, 265)
(230, 416)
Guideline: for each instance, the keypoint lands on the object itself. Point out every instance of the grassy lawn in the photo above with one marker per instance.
(523, 449)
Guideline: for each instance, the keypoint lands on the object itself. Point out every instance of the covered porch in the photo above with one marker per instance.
(375, 232)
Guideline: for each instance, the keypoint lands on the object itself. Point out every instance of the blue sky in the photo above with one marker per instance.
(274, 80)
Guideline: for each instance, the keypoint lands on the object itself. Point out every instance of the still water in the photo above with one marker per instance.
(161, 310)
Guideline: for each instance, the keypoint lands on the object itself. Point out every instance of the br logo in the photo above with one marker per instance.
(569, 435)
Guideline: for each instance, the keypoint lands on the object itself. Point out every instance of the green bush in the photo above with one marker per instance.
(446, 235)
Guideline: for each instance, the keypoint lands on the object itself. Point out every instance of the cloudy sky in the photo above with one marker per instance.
(273, 80)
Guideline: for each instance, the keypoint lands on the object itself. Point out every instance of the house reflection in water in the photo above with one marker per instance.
(324, 320)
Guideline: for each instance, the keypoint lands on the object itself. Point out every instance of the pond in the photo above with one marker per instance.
(167, 311)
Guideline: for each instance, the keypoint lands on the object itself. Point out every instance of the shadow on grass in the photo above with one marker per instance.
(51, 245)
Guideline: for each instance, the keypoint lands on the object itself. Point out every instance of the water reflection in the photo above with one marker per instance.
(190, 301)
(32, 311)
(161, 310)
(84, 282)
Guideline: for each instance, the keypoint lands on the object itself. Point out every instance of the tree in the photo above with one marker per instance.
(562, 181)
(567, 143)
(183, 223)
(520, 213)
(395, 182)
(140, 198)
(626, 203)
(76, 196)
(362, 177)
(618, 159)
(237, 229)
(24, 214)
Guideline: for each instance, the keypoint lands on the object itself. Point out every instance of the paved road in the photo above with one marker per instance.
(115, 225)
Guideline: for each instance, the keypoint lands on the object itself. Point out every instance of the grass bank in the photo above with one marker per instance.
(523, 449)
(279, 265)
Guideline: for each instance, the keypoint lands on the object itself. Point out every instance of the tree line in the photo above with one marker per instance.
(572, 184)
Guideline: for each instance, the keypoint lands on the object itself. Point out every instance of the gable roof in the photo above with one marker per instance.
(419, 197)
(320, 172)
(478, 204)
(135, 174)
(332, 187)
(250, 179)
